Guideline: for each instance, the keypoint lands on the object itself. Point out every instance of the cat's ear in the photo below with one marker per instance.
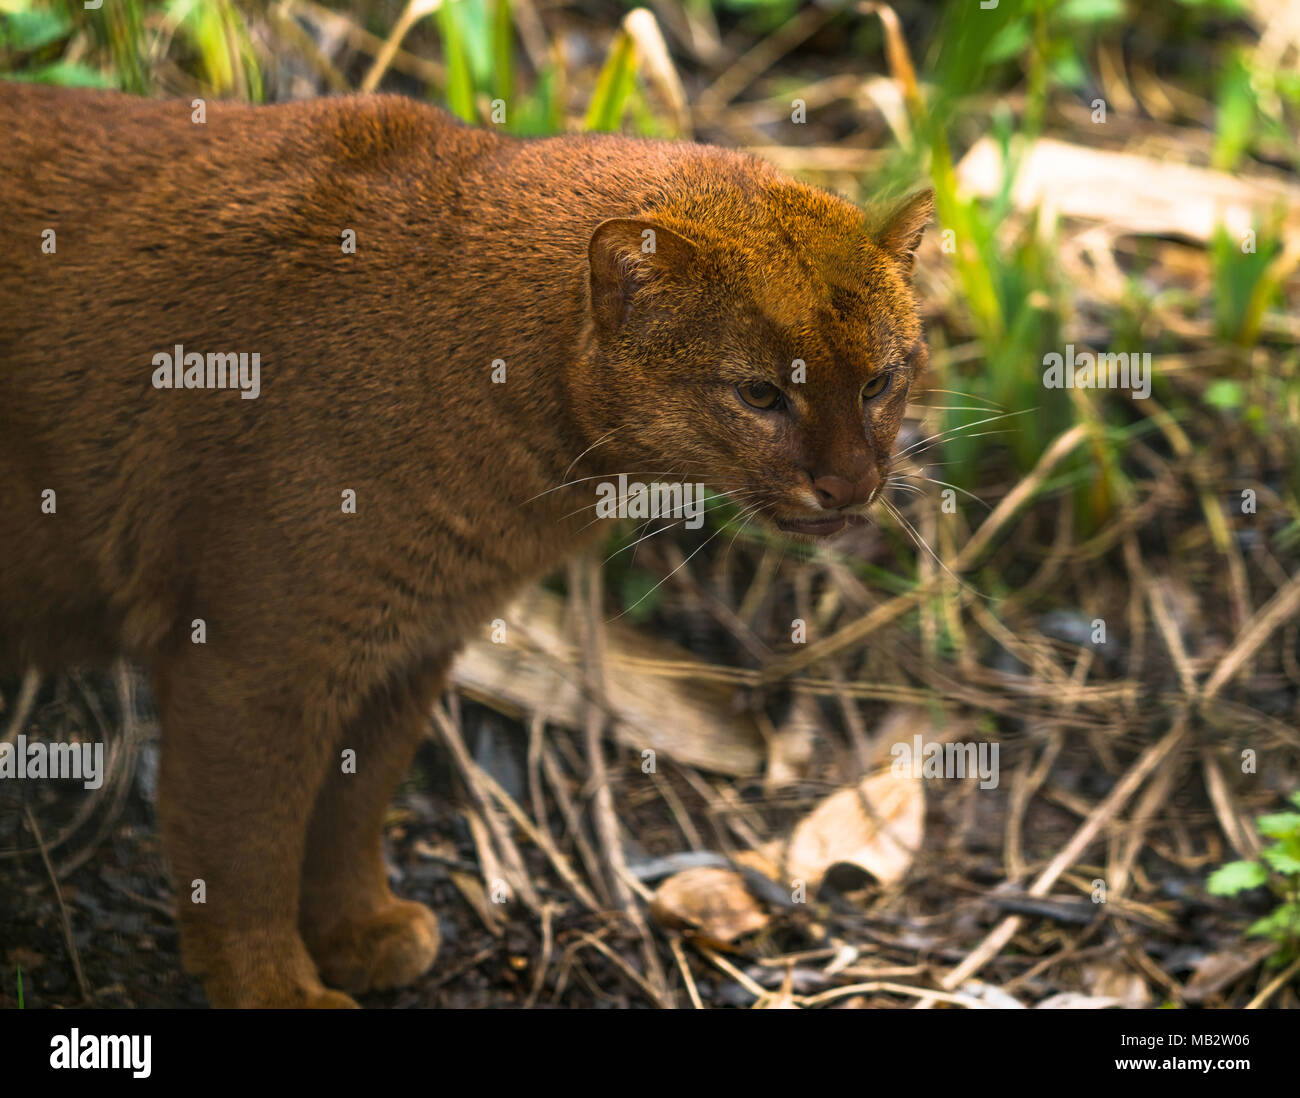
(902, 227)
(627, 257)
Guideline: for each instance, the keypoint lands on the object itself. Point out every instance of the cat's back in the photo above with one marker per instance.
(58, 136)
(135, 219)
(98, 184)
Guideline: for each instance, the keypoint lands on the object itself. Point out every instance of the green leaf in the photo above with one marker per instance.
(218, 34)
(541, 112)
(1228, 7)
(1280, 924)
(1090, 11)
(68, 74)
(1236, 877)
(1235, 123)
(1224, 393)
(460, 87)
(475, 23)
(1069, 70)
(1279, 825)
(503, 53)
(30, 30)
(1282, 859)
(613, 87)
(1010, 42)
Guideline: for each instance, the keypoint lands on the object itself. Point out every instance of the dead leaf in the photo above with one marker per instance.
(1133, 193)
(1117, 981)
(766, 859)
(536, 669)
(1077, 1000)
(876, 825)
(1216, 971)
(713, 903)
(992, 996)
(790, 747)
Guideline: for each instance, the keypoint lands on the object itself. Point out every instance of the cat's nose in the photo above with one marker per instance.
(835, 493)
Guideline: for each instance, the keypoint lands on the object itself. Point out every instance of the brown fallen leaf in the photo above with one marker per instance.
(990, 995)
(1133, 193)
(713, 904)
(536, 669)
(790, 747)
(1216, 971)
(876, 825)
(1116, 981)
(766, 859)
(1077, 1000)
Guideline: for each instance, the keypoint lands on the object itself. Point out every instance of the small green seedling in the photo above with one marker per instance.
(1278, 867)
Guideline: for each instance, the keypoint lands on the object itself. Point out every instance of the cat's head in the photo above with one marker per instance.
(761, 339)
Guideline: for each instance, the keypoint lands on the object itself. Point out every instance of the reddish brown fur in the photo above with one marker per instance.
(328, 630)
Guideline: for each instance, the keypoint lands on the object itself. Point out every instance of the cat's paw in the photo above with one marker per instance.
(389, 948)
(263, 967)
(277, 995)
(326, 999)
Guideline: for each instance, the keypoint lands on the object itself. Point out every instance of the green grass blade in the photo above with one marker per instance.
(503, 55)
(460, 86)
(122, 25)
(615, 84)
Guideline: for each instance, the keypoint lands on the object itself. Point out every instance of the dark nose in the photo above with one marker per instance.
(834, 492)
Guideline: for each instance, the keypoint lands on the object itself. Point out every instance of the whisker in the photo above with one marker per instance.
(914, 453)
(591, 447)
(596, 503)
(652, 533)
(752, 514)
(965, 396)
(670, 575)
(921, 543)
(954, 431)
(945, 484)
(930, 464)
(709, 480)
(979, 434)
(948, 408)
(607, 476)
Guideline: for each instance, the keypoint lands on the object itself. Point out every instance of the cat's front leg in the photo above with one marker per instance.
(241, 766)
(362, 937)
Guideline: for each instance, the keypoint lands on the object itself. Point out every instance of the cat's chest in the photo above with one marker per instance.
(474, 561)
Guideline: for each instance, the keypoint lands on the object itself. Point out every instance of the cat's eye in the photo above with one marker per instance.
(876, 386)
(760, 394)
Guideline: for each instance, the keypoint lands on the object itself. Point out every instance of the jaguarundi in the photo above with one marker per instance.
(293, 398)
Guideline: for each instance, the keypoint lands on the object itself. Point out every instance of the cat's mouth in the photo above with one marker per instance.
(821, 526)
